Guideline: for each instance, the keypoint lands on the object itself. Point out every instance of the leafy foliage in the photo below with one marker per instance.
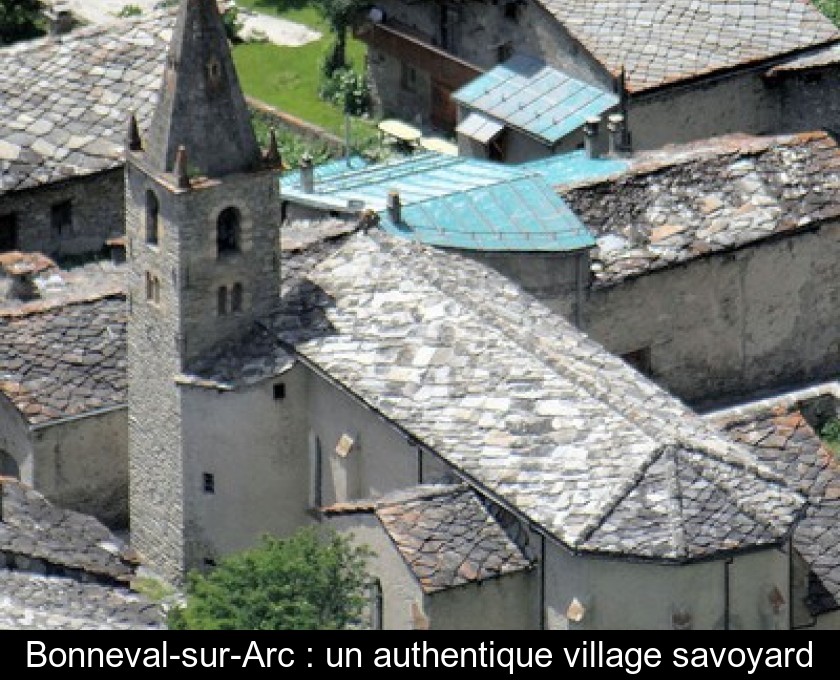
(831, 8)
(339, 14)
(830, 434)
(233, 26)
(19, 20)
(348, 90)
(312, 580)
(129, 11)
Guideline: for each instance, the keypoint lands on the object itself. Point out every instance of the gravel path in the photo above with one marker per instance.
(278, 31)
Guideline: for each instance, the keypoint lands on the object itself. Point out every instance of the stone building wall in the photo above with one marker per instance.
(481, 34)
(96, 205)
(82, 464)
(662, 597)
(16, 441)
(154, 403)
(732, 323)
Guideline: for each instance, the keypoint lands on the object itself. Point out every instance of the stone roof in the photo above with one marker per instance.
(64, 103)
(64, 360)
(688, 201)
(35, 602)
(524, 405)
(447, 535)
(659, 42)
(783, 440)
(826, 56)
(38, 536)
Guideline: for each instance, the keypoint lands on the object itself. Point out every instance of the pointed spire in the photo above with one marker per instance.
(201, 104)
(182, 179)
(272, 156)
(132, 140)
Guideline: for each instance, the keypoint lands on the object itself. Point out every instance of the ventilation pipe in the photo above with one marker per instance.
(307, 174)
(394, 206)
(592, 138)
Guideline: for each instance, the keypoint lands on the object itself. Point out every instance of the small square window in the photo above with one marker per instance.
(280, 391)
(209, 562)
(61, 217)
(209, 483)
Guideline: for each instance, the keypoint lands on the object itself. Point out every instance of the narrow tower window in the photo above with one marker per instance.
(236, 298)
(227, 231)
(222, 301)
(152, 218)
(150, 287)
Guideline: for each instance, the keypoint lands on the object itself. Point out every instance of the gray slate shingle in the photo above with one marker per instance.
(659, 42)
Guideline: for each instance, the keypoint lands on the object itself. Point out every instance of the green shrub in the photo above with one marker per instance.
(129, 11)
(348, 90)
(312, 580)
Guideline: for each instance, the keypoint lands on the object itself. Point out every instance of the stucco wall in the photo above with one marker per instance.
(551, 277)
(381, 459)
(15, 439)
(506, 603)
(623, 594)
(730, 324)
(97, 214)
(810, 100)
(255, 447)
(735, 103)
(400, 589)
(82, 464)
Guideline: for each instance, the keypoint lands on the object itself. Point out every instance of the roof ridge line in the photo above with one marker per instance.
(624, 491)
(676, 518)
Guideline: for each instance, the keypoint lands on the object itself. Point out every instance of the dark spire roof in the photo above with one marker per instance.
(201, 105)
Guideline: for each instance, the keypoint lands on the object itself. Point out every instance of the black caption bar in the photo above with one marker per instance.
(500, 654)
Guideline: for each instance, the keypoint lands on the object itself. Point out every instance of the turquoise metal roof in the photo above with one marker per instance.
(575, 167)
(526, 94)
(454, 202)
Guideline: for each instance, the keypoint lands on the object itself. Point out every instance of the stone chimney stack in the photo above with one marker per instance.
(307, 174)
(395, 206)
(617, 133)
(593, 138)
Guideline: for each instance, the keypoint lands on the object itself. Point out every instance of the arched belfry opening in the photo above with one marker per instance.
(228, 231)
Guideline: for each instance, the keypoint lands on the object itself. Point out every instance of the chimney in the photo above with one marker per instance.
(182, 179)
(394, 206)
(593, 140)
(307, 174)
(617, 134)
(19, 270)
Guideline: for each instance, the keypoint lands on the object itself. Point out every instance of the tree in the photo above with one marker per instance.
(19, 20)
(312, 580)
(339, 14)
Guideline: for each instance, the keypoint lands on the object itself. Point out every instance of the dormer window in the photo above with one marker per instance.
(228, 231)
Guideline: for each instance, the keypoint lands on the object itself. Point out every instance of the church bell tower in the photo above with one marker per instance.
(202, 218)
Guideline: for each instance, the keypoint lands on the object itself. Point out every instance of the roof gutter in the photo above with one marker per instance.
(80, 416)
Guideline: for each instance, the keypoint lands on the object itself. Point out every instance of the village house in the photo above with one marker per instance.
(517, 78)
(64, 102)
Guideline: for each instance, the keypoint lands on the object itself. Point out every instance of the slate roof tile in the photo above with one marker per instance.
(60, 361)
(595, 427)
(783, 439)
(664, 41)
(63, 113)
(711, 196)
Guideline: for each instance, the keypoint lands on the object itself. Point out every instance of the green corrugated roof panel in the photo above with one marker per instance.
(526, 94)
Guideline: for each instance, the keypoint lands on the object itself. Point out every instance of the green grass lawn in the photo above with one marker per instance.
(301, 11)
(289, 77)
